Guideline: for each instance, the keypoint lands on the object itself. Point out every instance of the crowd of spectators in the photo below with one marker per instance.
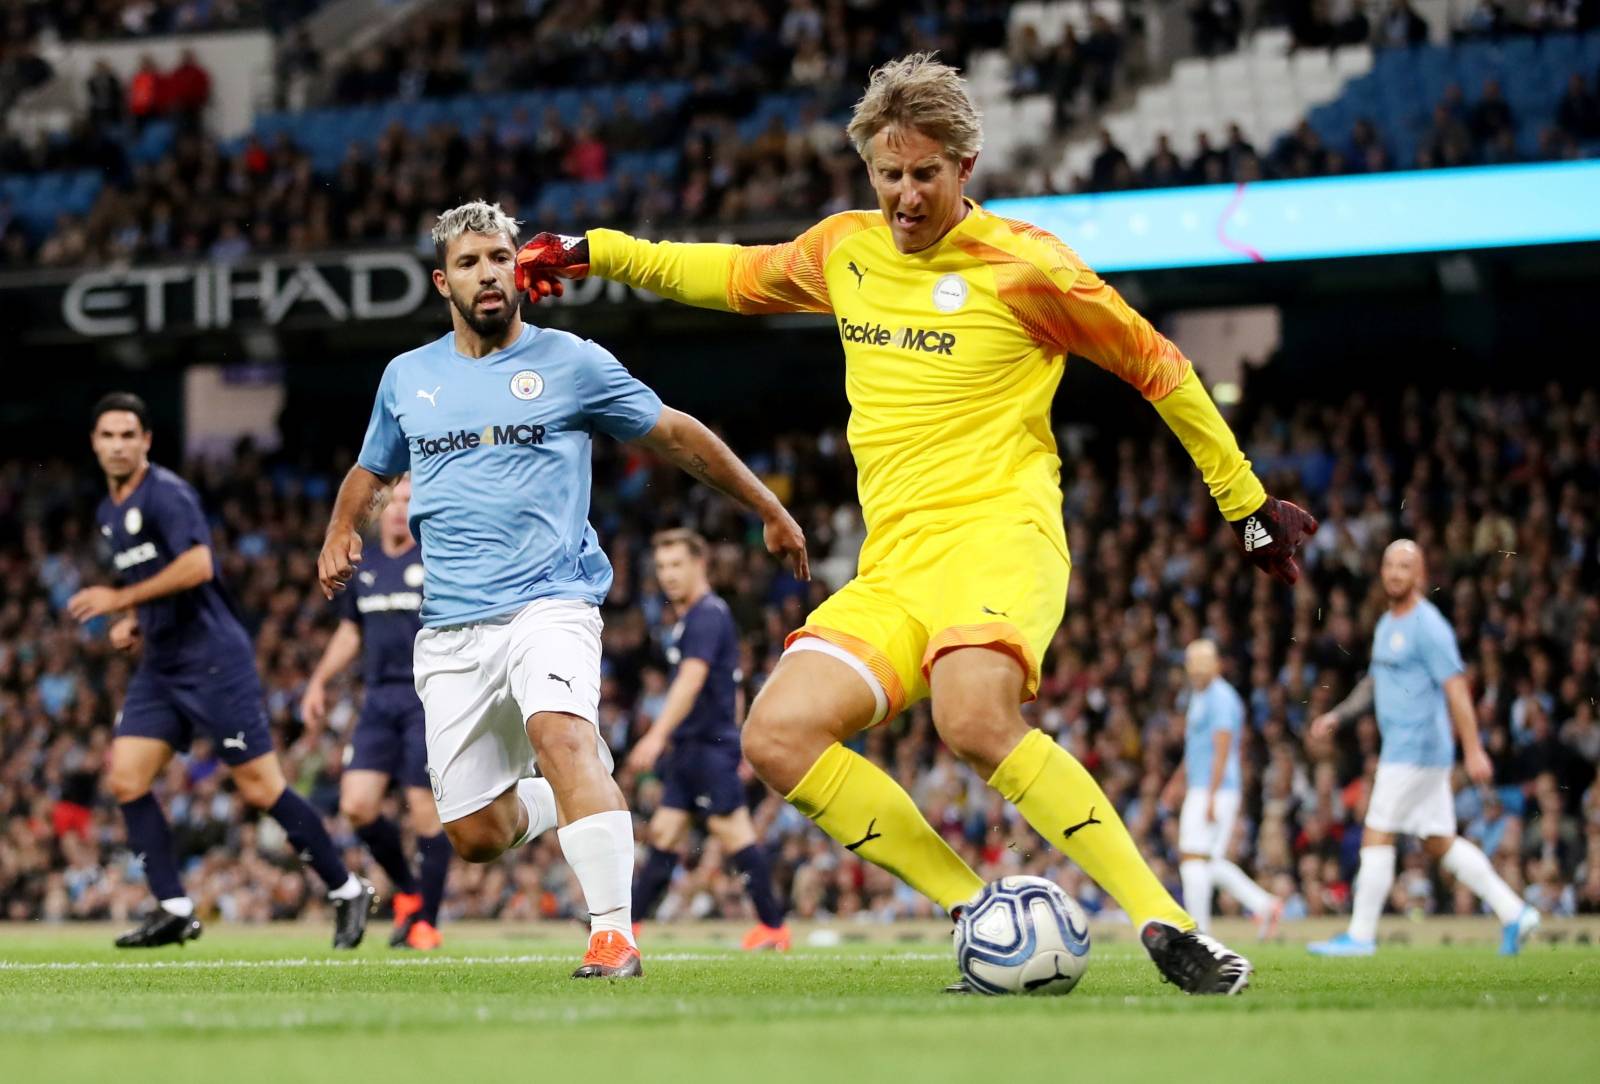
(1080, 75)
(72, 20)
(1460, 133)
(1397, 25)
(1499, 490)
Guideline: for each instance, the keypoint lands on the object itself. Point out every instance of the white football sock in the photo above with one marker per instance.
(599, 848)
(1196, 875)
(347, 891)
(1373, 881)
(1237, 883)
(1469, 865)
(181, 906)
(540, 802)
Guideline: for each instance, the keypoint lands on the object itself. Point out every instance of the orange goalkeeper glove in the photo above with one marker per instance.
(549, 258)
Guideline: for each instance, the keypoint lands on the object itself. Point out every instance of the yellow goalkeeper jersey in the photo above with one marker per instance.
(952, 355)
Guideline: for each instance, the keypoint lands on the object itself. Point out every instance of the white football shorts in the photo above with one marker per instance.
(1410, 800)
(1196, 835)
(480, 683)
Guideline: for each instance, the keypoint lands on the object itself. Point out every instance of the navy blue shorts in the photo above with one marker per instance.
(702, 777)
(223, 703)
(390, 736)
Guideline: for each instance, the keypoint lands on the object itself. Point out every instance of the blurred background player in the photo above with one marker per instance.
(955, 324)
(1418, 685)
(693, 744)
(379, 619)
(197, 672)
(1213, 732)
(495, 422)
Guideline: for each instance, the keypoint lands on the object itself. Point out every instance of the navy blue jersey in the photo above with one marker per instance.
(707, 632)
(385, 599)
(157, 522)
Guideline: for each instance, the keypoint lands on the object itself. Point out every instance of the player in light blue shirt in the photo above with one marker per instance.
(496, 422)
(1213, 729)
(1419, 686)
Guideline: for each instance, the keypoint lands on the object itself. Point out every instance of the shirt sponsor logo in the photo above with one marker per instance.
(462, 440)
(137, 555)
(923, 340)
(409, 601)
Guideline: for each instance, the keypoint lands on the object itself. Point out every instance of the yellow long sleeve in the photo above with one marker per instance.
(695, 274)
(1190, 413)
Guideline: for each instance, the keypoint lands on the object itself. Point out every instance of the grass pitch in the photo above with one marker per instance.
(243, 1005)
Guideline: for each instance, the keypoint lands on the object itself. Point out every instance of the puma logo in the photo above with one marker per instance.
(994, 613)
(429, 395)
(235, 742)
(868, 838)
(1034, 984)
(1066, 833)
(565, 681)
(859, 272)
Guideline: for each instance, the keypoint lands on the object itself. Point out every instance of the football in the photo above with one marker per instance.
(1022, 935)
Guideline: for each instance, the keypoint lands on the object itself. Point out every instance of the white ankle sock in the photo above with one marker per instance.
(347, 891)
(1373, 881)
(1237, 883)
(1196, 876)
(182, 906)
(540, 802)
(599, 848)
(1469, 865)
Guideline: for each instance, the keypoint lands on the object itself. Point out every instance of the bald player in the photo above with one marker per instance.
(1417, 684)
(1213, 727)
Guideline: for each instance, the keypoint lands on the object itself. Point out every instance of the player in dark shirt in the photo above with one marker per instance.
(693, 744)
(379, 619)
(196, 674)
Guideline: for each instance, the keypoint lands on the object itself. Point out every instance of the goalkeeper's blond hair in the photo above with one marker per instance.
(921, 92)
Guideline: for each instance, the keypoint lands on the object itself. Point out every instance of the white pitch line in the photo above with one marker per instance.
(432, 961)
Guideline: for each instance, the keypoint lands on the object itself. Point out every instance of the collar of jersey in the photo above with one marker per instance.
(974, 211)
(528, 331)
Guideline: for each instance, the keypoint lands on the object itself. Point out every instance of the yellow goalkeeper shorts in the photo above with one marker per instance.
(985, 582)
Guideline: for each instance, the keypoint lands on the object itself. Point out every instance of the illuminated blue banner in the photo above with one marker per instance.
(1268, 221)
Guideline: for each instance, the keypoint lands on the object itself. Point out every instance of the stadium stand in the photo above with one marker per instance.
(1498, 487)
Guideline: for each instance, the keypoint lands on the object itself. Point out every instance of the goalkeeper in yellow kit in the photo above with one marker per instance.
(956, 324)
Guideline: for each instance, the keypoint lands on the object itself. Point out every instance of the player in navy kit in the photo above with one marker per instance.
(379, 619)
(693, 744)
(197, 673)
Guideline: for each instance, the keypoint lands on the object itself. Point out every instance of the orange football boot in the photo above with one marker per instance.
(423, 936)
(776, 938)
(610, 956)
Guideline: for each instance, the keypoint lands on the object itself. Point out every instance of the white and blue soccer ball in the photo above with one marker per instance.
(1022, 935)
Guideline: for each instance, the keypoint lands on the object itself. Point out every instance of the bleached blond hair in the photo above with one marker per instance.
(474, 217)
(922, 92)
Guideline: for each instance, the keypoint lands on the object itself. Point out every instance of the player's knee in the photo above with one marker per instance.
(779, 745)
(558, 744)
(126, 786)
(360, 811)
(477, 840)
(978, 732)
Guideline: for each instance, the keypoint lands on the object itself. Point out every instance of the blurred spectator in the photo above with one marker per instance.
(148, 94)
(1578, 113)
(188, 87)
(1402, 26)
(106, 104)
(1216, 26)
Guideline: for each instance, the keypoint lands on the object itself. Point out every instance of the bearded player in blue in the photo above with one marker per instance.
(1418, 685)
(196, 674)
(496, 421)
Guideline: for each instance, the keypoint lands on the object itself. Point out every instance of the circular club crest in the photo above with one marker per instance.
(433, 781)
(413, 575)
(949, 293)
(133, 521)
(527, 385)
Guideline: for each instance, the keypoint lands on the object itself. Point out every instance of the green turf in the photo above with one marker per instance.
(240, 1007)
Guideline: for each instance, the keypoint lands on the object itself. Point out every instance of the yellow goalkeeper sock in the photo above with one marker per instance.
(1067, 807)
(853, 801)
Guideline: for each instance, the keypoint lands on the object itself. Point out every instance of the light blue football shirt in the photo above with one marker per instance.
(1412, 657)
(1216, 709)
(499, 454)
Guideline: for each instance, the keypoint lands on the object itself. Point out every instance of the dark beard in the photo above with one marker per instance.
(490, 327)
